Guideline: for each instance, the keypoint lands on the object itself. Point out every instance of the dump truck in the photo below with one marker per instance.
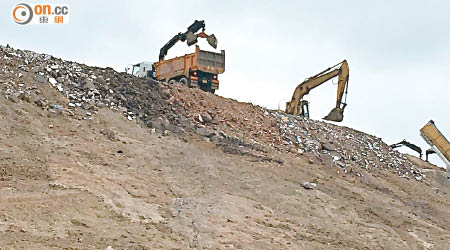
(437, 141)
(198, 69)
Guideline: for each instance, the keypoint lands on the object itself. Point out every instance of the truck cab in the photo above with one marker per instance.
(142, 69)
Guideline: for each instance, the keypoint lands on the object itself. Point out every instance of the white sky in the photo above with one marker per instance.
(398, 51)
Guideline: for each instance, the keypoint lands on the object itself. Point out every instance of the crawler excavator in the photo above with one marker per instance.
(299, 106)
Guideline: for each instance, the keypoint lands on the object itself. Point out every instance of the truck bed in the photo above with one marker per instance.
(206, 61)
(211, 61)
(431, 134)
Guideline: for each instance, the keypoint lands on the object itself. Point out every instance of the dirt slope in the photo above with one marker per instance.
(72, 180)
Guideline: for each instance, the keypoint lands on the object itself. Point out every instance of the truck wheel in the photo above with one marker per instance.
(172, 81)
(184, 81)
(212, 91)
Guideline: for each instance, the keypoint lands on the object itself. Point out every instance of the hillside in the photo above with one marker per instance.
(96, 159)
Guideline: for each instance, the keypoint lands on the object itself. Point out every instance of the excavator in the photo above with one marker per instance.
(409, 145)
(190, 37)
(298, 106)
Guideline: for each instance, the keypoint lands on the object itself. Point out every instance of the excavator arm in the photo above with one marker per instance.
(337, 114)
(409, 145)
(190, 37)
(294, 107)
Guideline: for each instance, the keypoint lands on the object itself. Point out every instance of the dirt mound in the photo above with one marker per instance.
(85, 87)
(352, 151)
(79, 168)
(239, 128)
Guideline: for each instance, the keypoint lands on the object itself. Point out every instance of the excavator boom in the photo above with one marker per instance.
(303, 89)
(294, 107)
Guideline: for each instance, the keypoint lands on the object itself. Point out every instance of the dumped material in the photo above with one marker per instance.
(238, 128)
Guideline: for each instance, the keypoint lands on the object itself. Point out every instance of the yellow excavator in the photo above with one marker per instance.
(298, 106)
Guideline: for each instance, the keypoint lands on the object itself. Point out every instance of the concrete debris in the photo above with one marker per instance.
(308, 185)
(41, 78)
(84, 86)
(207, 118)
(239, 128)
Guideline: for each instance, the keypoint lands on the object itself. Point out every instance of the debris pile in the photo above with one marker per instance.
(239, 128)
(84, 87)
(252, 125)
(343, 147)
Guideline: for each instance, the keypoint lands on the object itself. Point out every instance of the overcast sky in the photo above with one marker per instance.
(398, 51)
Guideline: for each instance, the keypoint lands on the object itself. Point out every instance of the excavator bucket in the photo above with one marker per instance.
(212, 40)
(191, 38)
(336, 115)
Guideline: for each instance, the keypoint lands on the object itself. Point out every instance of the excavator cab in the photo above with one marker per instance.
(303, 107)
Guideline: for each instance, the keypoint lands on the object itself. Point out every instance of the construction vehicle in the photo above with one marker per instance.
(409, 145)
(299, 106)
(437, 141)
(198, 69)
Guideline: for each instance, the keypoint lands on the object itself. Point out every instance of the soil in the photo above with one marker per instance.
(192, 170)
(90, 184)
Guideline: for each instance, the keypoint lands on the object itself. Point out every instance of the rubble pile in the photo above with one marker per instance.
(343, 147)
(244, 120)
(332, 145)
(89, 88)
(239, 128)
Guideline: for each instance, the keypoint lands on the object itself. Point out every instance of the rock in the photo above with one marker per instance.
(52, 113)
(180, 131)
(204, 132)
(13, 98)
(200, 118)
(88, 84)
(122, 98)
(109, 134)
(165, 122)
(340, 163)
(308, 185)
(53, 81)
(157, 124)
(328, 147)
(39, 102)
(41, 78)
(207, 118)
(24, 97)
